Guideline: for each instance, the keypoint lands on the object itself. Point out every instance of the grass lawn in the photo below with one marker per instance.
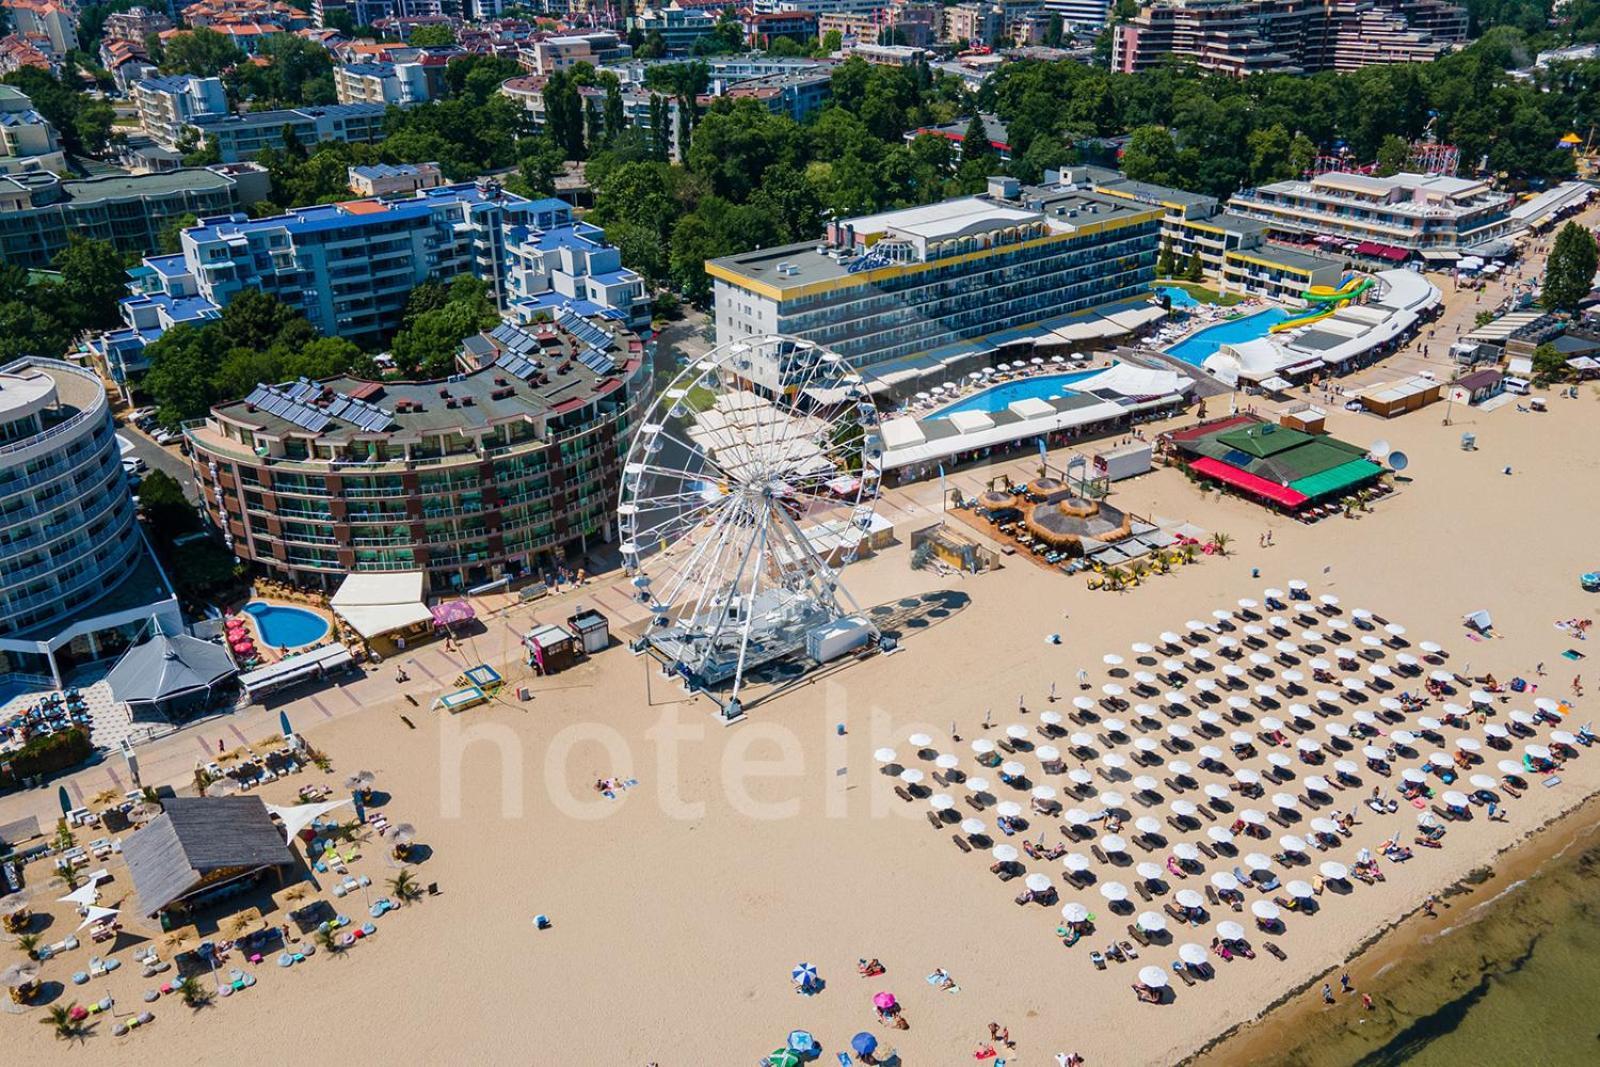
(699, 398)
(1201, 293)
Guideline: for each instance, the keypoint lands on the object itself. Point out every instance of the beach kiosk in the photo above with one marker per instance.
(549, 648)
(592, 629)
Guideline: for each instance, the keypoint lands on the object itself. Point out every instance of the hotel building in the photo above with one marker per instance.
(1394, 218)
(898, 285)
(492, 473)
(77, 580)
(350, 267)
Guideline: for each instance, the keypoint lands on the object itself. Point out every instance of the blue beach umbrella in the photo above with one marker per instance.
(283, 723)
(64, 799)
(864, 1044)
(802, 1042)
(804, 974)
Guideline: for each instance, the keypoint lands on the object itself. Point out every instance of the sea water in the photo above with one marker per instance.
(1510, 980)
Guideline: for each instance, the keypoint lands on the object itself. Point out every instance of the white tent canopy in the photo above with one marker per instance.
(374, 604)
(296, 817)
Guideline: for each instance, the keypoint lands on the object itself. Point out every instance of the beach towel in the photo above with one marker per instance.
(1572, 653)
(934, 980)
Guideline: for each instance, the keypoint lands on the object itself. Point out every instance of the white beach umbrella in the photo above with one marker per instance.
(1145, 824)
(1188, 898)
(1076, 862)
(1179, 767)
(1253, 817)
(1327, 696)
(1403, 737)
(1004, 853)
(1468, 744)
(1194, 626)
(977, 785)
(1258, 861)
(1394, 629)
(1082, 739)
(1265, 910)
(1311, 637)
(1557, 737)
(1324, 826)
(1038, 883)
(1252, 629)
(1522, 718)
(1144, 784)
(1373, 752)
(1152, 922)
(973, 827)
(1170, 638)
(1344, 766)
(1192, 954)
(1378, 670)
(1083, 703)
(982, 746)
(941, 802)
(1114, 891)
(1337, 872)
(1008, 809)
(1140, 648)
(1428, 722)
(1279, 760)
(1308, 744)
(1112, 799)
(1079, 776)
(1153, 977)
(1074, 913)
(884, 755)
(1210, 752)
(1300, 890)
(1225, 881)
(1113, 843)
(1478, 696)
(1076, 817)
(1285, 800)
(1444, 677)
(947, 761)
(1454, 799)
(1329, 600)
(1431, 648)
(1047, 753)
(1112, 690)
(1234, 671)
(1217, 791)
(1337, 729)
(1183, 809)
(920, 741)
(1291, 843)
(1298, 585)
(1230, 931)
(1414, 776)
(1238, 703)
(1405, 659)
(1318, 784)
(1115, 726)
(911, 776)
(1013, 769)
(1220, 834)
(1483, 781)
(1246, 776)
(1044, 792)
(1115, 760)
(1545, 704)
(1050, 718)
(1111, 659)
(1186, 852)
(1246, 604)
(1016, 731)
(1496, 731)
(1144, 678)
(1300, 711)
(1509, 766)
(1145, 744)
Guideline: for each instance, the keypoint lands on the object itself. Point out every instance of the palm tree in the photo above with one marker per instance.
(193, 993)
(1189, 552)
(404, 886)
(59, 1017)
(68, 875)
(1220, 541)
(328, 942)
(29, 943)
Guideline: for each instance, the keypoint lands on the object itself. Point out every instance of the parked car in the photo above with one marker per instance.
(996, 516)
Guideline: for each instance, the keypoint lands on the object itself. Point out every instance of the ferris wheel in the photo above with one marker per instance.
(740, 505)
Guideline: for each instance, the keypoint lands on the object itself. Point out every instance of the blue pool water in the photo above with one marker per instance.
(1002, 396)
(1194, 349)
(287, 627)
(1180, 298)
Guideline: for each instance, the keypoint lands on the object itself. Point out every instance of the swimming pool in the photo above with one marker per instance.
(287, 627)
(1195, 348)
(1002, 396)
(1181, 298)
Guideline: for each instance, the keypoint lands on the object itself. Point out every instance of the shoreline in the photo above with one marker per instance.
(1395, 943)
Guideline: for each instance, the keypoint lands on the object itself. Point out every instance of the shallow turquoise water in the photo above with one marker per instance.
(1000, 397)
(1195, 348)
(287, 627)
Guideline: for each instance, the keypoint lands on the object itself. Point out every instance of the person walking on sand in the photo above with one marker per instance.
(1083, 678)
(1344, 983)
(1327, 993)
(1428, 907)
(1577, 685)
(1052, 692)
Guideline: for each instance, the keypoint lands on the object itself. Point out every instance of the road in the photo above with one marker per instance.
(161, 459)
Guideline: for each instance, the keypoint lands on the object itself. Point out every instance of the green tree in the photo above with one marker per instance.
(426, 347)
(1196, 270)
(432, 37)
(94, 276)
(169, 239)
(201, 52)
(975, 144)
(1549, 363)
(168, 513)
(60, 1018)
(1569, 270)
(1392, 155)
(1151, 155)
(1164, 260)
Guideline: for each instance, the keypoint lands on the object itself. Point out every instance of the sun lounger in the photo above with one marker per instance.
(971, 801)
(1278, 819)
(933, 820)
(1172, 785)
(900, 791)
(1272, 947)
(1099, 854)
(961, 842)
(1138, 935)
(1211, 895)
(1007, 746)
(1206, 849)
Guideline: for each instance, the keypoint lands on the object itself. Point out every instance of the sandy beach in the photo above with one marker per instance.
(679, 909)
